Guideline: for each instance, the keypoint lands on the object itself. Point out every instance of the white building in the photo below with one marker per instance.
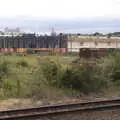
(9, 31)
(74, 44)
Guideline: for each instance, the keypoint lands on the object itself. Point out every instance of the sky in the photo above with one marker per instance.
(60, 9)
(19, 12)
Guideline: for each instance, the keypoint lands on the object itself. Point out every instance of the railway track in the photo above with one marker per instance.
(51, 110)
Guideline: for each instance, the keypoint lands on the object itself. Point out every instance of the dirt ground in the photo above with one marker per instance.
(99, 115)
(28, 103)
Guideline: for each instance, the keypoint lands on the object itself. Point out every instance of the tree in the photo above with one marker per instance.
(109, 35)
(97, 34)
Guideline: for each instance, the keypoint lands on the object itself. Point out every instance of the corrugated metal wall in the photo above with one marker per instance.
(22, 43)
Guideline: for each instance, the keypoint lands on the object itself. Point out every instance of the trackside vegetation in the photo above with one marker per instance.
(23, 77)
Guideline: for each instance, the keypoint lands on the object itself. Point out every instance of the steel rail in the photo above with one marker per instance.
(51, 109)
(62, 112)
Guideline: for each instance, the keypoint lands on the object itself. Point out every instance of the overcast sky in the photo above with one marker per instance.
(73, 15)
(60, 9)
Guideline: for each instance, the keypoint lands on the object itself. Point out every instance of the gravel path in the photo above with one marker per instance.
(99, 115)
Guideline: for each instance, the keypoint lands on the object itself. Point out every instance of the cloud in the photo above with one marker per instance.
(60, 9)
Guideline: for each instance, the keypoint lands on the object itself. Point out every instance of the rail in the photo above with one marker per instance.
(50, 110)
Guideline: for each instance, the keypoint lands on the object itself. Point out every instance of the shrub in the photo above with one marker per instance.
(51, 71)
(30, 51)
(85, 78)
(4, 67)
(4, 72)
(22, 63)
(112, 68)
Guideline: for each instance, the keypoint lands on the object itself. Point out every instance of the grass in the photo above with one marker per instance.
(21, 84)
(31, 59)
(22, 74)
(20, 81)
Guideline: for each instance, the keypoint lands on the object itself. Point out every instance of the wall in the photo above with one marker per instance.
(75, 45)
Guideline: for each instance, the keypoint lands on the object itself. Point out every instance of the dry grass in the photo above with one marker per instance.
(14, 103)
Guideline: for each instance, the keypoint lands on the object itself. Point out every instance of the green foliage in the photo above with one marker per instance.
(72, 54)
(37, 84)
(40, 85)
(97, 34)
(4, 69)
(85, 78)
(112, 68)
(4, 73)
(22, 63)
(20, 79)
(109, 35)
(30, 51)
(51, 71)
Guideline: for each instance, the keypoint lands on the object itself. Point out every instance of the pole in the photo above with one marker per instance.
(71, 45)
(58, 70)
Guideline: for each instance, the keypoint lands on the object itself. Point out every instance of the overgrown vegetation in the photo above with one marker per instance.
(22, 63)
(85, 78)
(48, 77)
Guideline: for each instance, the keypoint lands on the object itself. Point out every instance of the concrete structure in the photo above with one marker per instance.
(75, 44)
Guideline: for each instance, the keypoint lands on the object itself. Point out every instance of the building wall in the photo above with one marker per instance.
(73, 46)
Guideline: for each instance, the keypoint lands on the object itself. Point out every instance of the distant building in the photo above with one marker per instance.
(53, 33)
(75, 43)
(9, 31)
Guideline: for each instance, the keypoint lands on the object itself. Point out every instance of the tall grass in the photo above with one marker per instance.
(48, 77)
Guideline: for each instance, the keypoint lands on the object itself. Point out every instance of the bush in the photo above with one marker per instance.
(4, 72)
(112, 68)
(30, 51)
(85, 78)
(43, 79)
(22, 63)
(4, 67)
(51, 71)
